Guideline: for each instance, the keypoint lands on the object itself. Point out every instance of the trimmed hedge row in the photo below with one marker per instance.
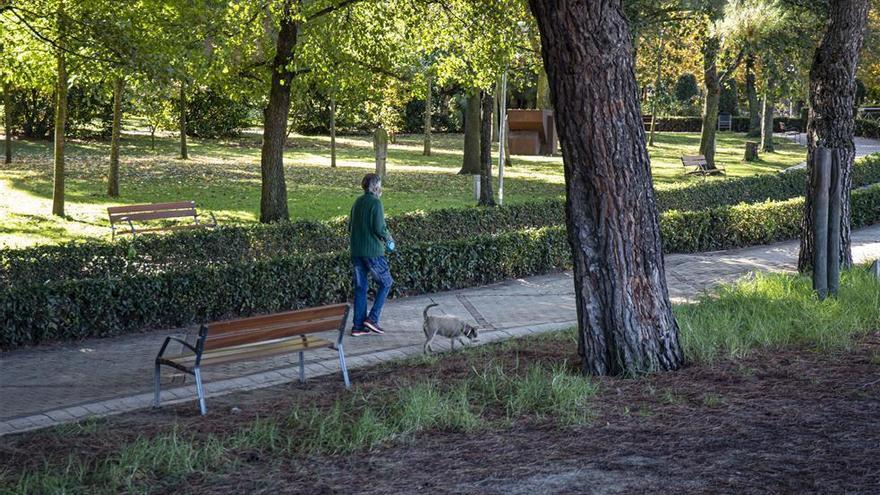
(868, 128)
(113, 305)
(738, 124)
(231, 244)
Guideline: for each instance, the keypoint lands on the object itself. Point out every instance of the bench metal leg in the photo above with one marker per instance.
(302, 368)
(200, 389)
(158, 381)
(342, 365)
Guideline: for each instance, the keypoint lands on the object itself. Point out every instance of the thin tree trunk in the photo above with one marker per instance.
(273, 197)
(333, 131)
(60, 117)
(767, 117)
(7, 122)
(752, 92)
(429, 105)
(656, 89)
(625, 319)
(542, 94)
(831, 120)
(113, 176)
(184, 154)
(496, 110)
(471, 157)
(487, 196)
(711, 100)
(153, 137)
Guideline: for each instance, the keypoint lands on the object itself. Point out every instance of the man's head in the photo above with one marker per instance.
(372, 183)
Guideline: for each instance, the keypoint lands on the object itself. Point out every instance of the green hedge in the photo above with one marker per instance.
(231, 244)
(738, 124)
(63, 310)
(868, 128)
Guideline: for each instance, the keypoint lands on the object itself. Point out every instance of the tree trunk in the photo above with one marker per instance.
(113, 176)
(273, 197)
(333, 131)
(471, 159)
(496, 110)
(752, 92)
(831, 120)
(380, 148)
(153, 137)
(542, 95)
(625, 319)
(656, 90)
(710, 101)
(767, 118)
(428, 108)
(751, 154)
(7, 120)
(60, 117)
(184, 154)
(487, 196)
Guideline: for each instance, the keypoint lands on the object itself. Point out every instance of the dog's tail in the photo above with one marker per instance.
(425, 312)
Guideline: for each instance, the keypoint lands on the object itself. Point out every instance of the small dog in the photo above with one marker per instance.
(446, 326)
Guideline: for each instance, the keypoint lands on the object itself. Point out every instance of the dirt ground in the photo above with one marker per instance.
(792, 421)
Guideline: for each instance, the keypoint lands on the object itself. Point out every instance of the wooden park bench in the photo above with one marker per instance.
(253, 338)
(699, 164)
(140, 213)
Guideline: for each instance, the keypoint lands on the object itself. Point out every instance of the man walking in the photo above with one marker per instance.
(369, 239)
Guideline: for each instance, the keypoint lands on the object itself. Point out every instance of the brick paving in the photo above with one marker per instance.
(54, 384)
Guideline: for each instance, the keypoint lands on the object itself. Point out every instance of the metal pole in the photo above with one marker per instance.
(834, 224)
(502, 137)
(822, 171)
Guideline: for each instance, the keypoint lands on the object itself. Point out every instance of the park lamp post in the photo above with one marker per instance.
(502, 136)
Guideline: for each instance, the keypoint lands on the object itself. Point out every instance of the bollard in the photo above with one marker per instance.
(834, 224)
(822, 171)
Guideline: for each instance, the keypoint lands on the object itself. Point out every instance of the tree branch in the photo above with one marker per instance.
(330, 8)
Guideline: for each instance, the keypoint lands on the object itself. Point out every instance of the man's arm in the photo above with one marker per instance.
(380, 230)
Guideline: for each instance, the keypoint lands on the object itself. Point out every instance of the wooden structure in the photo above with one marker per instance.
(699, 165)
(253, 338)
(751, 151)
(725, 122)
(531, 132)
(140, 213)
(646, 121)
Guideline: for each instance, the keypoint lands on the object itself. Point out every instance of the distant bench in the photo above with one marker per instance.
(253, 338)
(699, 164)
(140, 213)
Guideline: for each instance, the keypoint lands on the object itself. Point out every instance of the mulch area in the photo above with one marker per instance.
(793, 421)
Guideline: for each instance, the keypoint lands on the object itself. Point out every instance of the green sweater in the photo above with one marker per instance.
(366, 227)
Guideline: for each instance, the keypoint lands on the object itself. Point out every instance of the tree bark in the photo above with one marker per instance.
(625, 319)
(752, 92)
(428, 107)
(487, 196)
(711, 100)
(60, 116)
(7, 120)
(831, 115)
(273, 197)
(471, 158)
(113, 175)
(333, 132)
(380, 148)
(184, 154)
(767, 117)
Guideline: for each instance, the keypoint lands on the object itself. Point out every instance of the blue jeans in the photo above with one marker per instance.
(378, 268)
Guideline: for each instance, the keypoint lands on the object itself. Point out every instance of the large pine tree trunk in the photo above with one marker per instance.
(471, 157)
(7, 122)
(60, 117)
(830, 122)
(711, 100)
(429, 105)
(113, 175)
(184, 153)
(487, 196)
(767, 117)
(273, 198)
(752, 92)
(625, 317)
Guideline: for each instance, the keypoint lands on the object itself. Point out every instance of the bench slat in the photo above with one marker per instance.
(250, 352)
(161, 229)
(221, 327)
(275, 331)
(151, 207)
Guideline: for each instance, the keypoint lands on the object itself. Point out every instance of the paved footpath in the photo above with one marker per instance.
(55, 384)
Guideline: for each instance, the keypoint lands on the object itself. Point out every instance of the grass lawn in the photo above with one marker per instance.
(781, 396)
(223, 176)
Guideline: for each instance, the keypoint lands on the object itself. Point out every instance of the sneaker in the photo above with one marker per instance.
(374, 327)
(359, 332)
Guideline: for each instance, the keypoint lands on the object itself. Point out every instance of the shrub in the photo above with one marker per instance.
(868, 128)
(213, 115)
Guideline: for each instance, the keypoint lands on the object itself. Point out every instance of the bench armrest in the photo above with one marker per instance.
(168, 339)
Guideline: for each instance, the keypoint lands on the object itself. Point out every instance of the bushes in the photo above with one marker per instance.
(868, 128)
(109, 305)
(738, 124)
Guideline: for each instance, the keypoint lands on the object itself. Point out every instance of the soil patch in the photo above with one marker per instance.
(792, 421)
